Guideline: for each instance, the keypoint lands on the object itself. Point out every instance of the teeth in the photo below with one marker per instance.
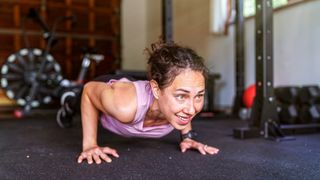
(182, 118)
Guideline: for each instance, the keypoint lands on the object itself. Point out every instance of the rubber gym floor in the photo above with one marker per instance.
(36, 148)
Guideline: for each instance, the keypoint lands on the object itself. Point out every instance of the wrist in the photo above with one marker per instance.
(87, 145)
(192, 134)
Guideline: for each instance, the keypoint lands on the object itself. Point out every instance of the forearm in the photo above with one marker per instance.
(89, 118)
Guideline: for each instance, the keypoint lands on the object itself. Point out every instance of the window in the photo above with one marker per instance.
(250, 9)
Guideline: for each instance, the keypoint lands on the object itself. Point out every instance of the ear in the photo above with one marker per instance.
(155, 88)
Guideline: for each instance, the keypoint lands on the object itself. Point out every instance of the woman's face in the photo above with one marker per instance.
(183, 99)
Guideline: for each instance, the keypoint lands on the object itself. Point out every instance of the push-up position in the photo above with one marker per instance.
(170, 100)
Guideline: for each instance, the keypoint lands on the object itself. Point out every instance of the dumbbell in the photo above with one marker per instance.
(310, 113)
(288, 114)
(309, 94)
(287, 94)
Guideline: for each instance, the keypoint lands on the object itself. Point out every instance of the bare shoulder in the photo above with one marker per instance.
(107, 90)
(117, 99)
(124, 99)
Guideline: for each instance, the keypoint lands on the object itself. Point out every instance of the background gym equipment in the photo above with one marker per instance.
(238, 106)
(288, 113)
(249, 95)
(310, 113)
(167, 29)
(287, 94)
(309, 97)
(247, 102)
(287, 100)
(69, 90)
(32, 76)
(309, 94)
(298, 105)
(264, 119)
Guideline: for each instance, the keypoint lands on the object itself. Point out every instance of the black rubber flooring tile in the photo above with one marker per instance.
(37, 148)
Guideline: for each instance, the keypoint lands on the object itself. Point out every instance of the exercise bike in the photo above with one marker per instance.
(71, 91)
(32, 77)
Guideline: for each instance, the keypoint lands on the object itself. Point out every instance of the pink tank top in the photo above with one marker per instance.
(135, 128)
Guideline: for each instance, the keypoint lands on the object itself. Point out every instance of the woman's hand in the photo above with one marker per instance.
(202, 148)
(97, 154)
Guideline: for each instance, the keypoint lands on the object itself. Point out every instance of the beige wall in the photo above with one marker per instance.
(133, 33)
(141, 25)
(154, 21)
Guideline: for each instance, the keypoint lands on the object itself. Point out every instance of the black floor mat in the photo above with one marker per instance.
(37, 148)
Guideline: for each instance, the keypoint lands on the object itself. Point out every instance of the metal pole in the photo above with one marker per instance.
(167, 20)
(239, 59)
(264, 109)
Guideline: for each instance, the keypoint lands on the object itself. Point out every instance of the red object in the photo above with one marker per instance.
(248, 96)
(18, 114)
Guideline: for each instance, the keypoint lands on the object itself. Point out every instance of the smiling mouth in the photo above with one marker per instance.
(183, 120)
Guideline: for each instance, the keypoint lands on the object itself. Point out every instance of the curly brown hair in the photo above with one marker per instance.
(168, 60)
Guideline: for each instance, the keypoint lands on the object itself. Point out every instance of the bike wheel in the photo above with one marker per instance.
(64, 119)
(20, 71)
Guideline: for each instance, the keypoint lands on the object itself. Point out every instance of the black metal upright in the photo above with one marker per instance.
(167, 20)
(264, 117)
(264, 112)
(239, 59)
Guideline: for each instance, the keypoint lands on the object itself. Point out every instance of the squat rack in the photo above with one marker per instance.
(264, 119)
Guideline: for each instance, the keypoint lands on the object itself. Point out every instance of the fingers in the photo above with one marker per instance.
(106, 158)
(84, 156)
(108, 150)
(205, 149)
(191, 144)
(202, 148)
(185, 146)
(96, 159)
(80, 158)
(211, 150)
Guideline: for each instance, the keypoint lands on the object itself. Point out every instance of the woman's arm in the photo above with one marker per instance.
(117, 100)
(89, 115)
(91, 103)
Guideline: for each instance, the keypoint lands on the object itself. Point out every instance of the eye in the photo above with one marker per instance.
(199, 96)
(180, 97)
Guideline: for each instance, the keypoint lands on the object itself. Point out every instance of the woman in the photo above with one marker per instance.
(170, 100)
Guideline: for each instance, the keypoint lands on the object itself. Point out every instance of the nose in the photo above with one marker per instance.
(190, 108)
